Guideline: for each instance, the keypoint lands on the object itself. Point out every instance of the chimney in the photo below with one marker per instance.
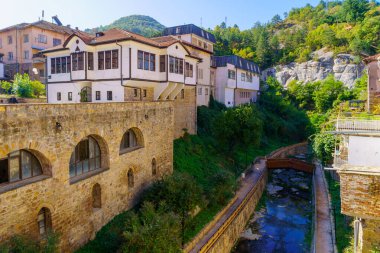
(76, 28)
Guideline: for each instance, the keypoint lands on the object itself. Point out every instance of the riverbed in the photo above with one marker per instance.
(283, 217)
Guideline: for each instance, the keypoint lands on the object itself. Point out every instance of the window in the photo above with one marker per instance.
(249, 77)
(146, 61)
(206, 91)
(140, 59)
(188, 69)
(135, 92)
(26, 38)
(175, 65)
(1, 43)
(162, 63)
(10, 39)
(108, 59)
(42, 38)
(60, 65)
(41, 72)
(86, 94)
(132, 140)
(204, 45)
(26, 54)
(59, 97)
(182, 93)
(243, 77)
(144, 93)
(100, 60)
(200, 91)
(19, 165)
(97, 95)
(154, 167)
(131, 179)
(85, 158)
(200, 74)
(90, 61)
(78, 61)
(96, 196)
(10, 56)
(115, 59)
(44, 221)
(70, 96)
(109, 95)
(56, 42)
(231, 74)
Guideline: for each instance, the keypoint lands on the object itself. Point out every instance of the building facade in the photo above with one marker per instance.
(71, 168)
(201, 44)
(21, 43)
(237, 80)
(117, 65)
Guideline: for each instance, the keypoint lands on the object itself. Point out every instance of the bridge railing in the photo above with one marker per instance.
(357, 125)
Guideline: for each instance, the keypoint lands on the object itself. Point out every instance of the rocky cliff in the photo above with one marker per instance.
(343, 66)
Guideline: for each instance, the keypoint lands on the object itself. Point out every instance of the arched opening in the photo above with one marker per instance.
(132, 140)
(86, 94)
(86, 157)
(19, 165)
(154, 167)
(131, 179)
(96, 196)
(44, 221)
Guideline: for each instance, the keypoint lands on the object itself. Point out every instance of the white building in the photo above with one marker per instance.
(237, 80)
(201, 44)
(117, 65)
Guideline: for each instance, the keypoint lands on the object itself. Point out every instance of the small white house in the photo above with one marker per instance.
(237, 80)
(118, 65)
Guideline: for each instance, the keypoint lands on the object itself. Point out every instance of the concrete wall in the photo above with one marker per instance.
(363, 151)
(33, 127)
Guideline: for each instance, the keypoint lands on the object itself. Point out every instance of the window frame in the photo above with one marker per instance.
(70, 96)
(129, 142)
(98, 95)
(59, 96)
(109, 95)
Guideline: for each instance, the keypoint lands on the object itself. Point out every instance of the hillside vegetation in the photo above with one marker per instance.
(349, 26)
(140, 24)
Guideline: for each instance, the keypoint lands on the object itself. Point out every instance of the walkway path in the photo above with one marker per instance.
(324, 231)
(247, 184)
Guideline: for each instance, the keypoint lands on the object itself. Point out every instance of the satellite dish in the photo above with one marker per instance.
(35, 71)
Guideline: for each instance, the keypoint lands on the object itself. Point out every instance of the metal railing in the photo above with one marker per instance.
(357, 125)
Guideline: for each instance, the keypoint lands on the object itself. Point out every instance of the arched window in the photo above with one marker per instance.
(131, 179)
(19, 165)
(86, 94)
(44, 221)
(130, 141)
(85, 158)
(96, 196)
(154, 167)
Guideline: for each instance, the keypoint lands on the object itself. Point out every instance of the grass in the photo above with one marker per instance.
(198, 157)
(343, 230)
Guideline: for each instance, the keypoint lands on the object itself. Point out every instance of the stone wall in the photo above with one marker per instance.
(185, 112)
(33, 127)
(228, 237)
(360, 197)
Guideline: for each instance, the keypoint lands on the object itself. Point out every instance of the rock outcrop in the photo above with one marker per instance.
(343, 66)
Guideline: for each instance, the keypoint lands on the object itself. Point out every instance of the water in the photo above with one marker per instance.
(282, 222)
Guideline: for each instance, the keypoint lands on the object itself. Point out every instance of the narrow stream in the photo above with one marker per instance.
(283, 217)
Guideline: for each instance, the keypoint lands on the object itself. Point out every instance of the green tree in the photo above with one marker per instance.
(152, 231)
(354, 10)
(182, 196)
(238, 126)
(7, 87)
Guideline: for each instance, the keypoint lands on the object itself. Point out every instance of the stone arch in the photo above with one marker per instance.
(44, 221)
(96, 196)
(154, 167)
(132, 139)
(131, 178)
(22, 164)
(96, 156)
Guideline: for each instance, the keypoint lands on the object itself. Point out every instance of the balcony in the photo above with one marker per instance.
(357, 126)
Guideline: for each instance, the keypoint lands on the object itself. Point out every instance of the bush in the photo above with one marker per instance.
(24, 87)
(24, 244)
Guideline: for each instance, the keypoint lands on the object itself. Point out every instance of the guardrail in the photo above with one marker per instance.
(215, 237)
(357, 124)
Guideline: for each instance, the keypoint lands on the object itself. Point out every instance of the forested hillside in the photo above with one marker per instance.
(349, 26)
(140, 24)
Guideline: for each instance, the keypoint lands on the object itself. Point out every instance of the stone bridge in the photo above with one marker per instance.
(73, 167)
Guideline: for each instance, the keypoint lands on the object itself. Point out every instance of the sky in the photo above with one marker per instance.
(92, 13)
